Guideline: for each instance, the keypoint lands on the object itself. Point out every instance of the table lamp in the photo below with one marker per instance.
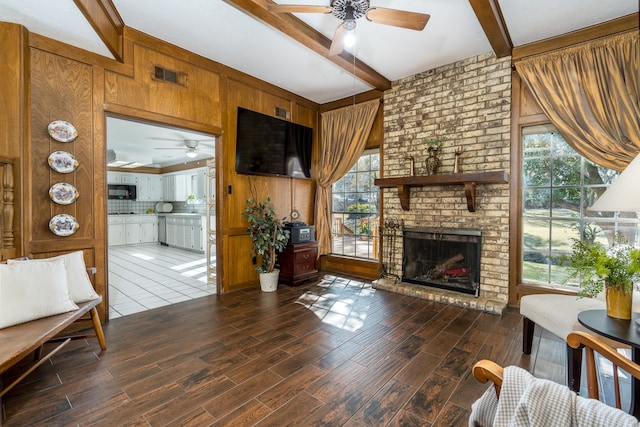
(624, 194)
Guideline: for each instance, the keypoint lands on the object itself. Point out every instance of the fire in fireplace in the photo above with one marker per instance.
(442, 258)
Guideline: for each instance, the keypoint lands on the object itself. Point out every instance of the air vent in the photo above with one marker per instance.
(282, 113)
(170, 76)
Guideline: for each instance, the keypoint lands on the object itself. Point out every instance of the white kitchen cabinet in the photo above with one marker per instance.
(174, 187)
(185, 232)
(121, 178)
(132, 232)
(149, 229)
(177, 186)
(132, 229)
(150, 188)
(116, 232)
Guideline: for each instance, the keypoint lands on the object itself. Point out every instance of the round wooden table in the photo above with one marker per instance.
(624, 331)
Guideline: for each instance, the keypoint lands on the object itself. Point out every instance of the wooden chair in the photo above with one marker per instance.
(486, 370)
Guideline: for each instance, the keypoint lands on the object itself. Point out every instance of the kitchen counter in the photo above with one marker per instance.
(180, 214)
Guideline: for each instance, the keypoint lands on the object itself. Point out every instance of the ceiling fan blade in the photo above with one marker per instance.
(298, 8)
(398, 18)
(337, 45)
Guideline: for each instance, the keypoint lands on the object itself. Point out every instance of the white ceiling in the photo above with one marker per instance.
(219, 31)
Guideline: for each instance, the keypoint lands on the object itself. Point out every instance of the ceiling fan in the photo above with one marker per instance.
(350, 10)
(190, 147)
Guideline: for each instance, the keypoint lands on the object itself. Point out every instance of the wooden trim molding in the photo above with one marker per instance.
(106, 21)
(490, 17)
(615, 26)
(303, 33)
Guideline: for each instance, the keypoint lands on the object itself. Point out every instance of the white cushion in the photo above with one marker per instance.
(558, 314)
(29, 291)
(80, 286)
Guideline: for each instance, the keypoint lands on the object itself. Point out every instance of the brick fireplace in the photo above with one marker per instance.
(467, 106)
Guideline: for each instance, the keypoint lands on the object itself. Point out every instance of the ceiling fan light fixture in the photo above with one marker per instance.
(191, 153)
(349, 24)
(349, 38)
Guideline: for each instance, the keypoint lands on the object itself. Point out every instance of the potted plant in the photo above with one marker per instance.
(268, 236)
(365, 231)
(613, 269)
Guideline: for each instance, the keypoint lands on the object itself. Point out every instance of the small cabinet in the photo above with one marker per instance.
(150, 188)
(116, 232)
(298, 263)
(121, 178)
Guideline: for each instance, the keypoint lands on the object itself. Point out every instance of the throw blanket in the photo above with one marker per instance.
(529, 401)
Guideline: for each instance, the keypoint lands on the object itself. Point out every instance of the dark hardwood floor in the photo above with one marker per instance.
(334, 352)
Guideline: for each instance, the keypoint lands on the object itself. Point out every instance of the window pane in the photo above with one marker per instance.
(537, 171)
(558, 188)
(356, 209)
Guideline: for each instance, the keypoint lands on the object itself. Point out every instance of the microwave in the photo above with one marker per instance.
(121, 192)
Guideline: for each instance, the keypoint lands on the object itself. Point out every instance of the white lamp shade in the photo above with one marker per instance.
(624, 194)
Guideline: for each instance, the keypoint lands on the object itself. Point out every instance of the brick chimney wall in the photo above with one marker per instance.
(465, 105)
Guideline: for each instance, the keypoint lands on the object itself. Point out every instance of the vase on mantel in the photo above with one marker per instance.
(432, 162)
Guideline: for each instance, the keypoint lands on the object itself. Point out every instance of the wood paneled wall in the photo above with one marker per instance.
(44, 80)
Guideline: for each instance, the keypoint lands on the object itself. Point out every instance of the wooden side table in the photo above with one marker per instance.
(625, 331)
(298, 263)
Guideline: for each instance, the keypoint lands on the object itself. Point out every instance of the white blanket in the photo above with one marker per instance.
(529, 401)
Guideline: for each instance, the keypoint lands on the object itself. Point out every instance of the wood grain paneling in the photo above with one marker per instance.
(13, 123)
(199, 100)
(61, 89)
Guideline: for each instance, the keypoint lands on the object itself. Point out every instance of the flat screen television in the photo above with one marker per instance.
(266, 145)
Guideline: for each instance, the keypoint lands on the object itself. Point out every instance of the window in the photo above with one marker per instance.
(558, 185)
(356, 209)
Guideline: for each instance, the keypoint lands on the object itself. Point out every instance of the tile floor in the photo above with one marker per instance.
(146, 276)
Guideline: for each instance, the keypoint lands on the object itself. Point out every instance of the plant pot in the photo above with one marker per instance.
(618, 303)
(269, 281)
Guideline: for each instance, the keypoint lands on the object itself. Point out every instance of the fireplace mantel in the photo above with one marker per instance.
(469, 180)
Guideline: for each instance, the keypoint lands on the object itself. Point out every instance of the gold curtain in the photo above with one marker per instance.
(344, 135)
(591, 93)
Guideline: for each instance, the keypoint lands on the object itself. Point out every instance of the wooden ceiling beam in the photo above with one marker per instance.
(490, 17)
(312, 39)
(106, 21)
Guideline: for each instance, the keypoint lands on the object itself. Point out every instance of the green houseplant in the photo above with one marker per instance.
(268, 235)
(613, 269)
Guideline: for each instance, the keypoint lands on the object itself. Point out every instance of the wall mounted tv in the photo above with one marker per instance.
(266, 145)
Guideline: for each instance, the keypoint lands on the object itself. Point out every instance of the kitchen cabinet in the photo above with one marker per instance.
(132, 229)
(132, 232)
(116, 231)
(150, 188)
(185, 232)
(122, 178)
(174, 187)
(177, 186)
(149, 229)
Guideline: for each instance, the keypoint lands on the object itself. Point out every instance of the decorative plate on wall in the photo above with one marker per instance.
(63, 225)
(63, 193)
(62, 131)
(63, 162)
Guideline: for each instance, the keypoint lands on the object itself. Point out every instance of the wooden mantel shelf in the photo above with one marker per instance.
(404, 184)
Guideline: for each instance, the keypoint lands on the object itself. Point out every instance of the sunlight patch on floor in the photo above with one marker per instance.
(142, 256)
(186, 265)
